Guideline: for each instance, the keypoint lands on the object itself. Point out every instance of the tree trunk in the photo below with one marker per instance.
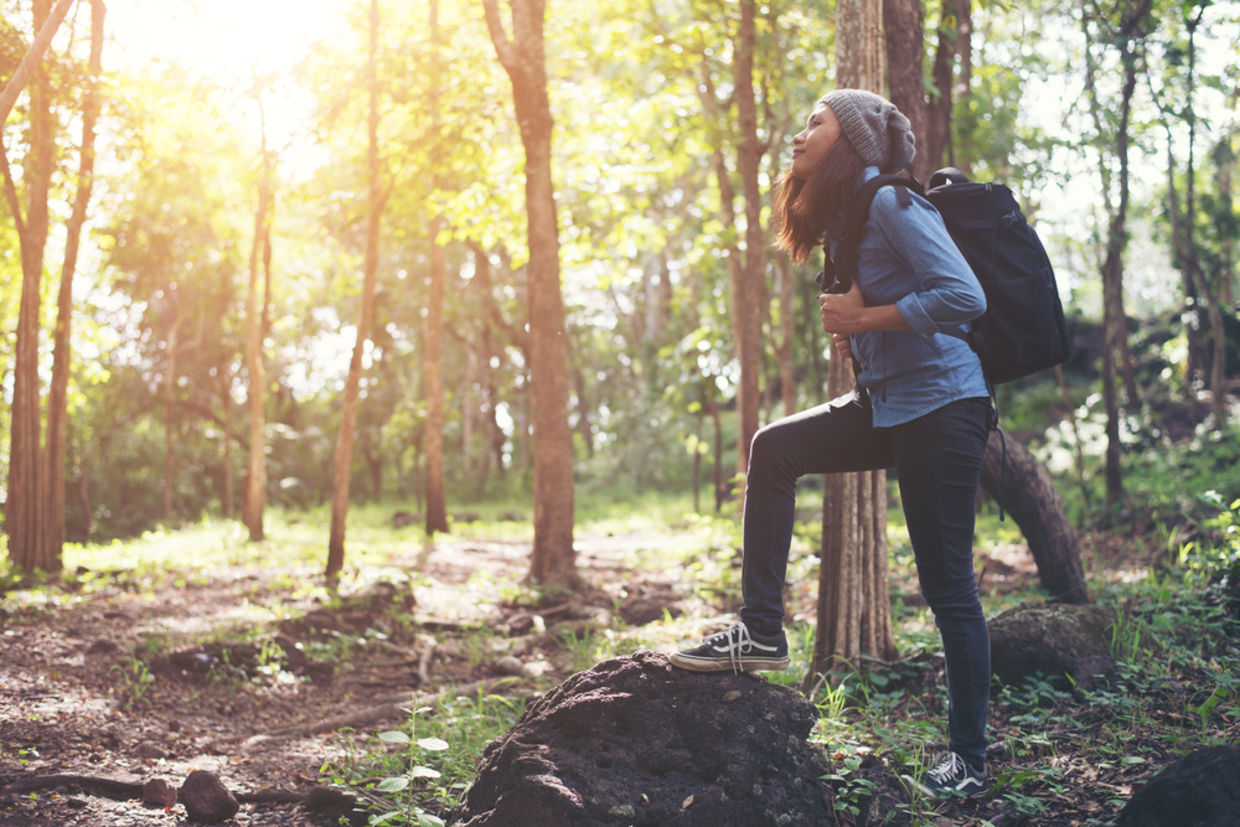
(57, 404)
(854, 603)
(23, 517)
(432, 386)
(1023, 488)
(554, 560)
(343, 458)
(228, 494)
(749, 294)
(736, 272)
(787, 290)
(170, 409)
(255, 312)
(955, 34)
(904, 24)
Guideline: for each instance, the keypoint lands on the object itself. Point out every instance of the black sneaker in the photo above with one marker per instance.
(735, 649)
(952, 778)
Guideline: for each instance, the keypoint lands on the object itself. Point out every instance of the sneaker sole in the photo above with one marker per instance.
(758, 664)
(941, 795)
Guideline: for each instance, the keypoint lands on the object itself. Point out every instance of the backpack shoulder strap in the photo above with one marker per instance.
(843, 266)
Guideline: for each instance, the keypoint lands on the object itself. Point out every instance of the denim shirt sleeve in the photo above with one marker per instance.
(948, 295)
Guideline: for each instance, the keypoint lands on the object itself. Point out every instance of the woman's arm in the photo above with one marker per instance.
(846, 314)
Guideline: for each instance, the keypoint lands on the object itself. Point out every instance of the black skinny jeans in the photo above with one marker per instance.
(937, 458)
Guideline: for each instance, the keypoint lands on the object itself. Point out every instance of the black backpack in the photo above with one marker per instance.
(1023, 330)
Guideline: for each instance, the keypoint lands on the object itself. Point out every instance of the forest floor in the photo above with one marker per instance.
(251, 673)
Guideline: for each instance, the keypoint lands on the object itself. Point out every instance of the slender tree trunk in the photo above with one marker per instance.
(229, 494)
(432, 385)
(57, 404)
(955, 43)
(787, 334)
(554, 560)
(736, 272)
(255, 314)
(343, 458)
(23, 517)
(854, 604)
(432, 333)
(171, 426)
(749, 293)
(1116, 358)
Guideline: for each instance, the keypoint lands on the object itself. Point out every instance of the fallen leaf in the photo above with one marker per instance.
(687, 803)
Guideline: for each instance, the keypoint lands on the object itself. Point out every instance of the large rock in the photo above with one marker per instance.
(635, 741)
(1056, 640)
(1202, 789)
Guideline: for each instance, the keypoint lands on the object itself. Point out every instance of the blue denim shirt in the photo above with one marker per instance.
(907, 258)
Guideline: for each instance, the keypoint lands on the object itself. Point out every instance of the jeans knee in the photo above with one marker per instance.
(764, 451)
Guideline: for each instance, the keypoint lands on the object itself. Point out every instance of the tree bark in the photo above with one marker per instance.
(854, 603)
(343, 458)
(432, 386)
(553, 560)
(1023, 488)
(904, 25)
(749, 292)
(57, 404)
(23, 517)
(255, 313)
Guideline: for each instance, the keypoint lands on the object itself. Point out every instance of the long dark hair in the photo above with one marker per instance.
(815, 208)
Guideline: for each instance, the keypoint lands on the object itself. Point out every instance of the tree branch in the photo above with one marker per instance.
(504, 48)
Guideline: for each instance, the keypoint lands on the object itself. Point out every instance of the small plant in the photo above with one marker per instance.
(425, 766)
(134, 680)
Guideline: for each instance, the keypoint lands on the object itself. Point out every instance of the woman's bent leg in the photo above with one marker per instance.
(835, 437)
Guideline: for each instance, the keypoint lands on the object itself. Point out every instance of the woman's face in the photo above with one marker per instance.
(811, 143)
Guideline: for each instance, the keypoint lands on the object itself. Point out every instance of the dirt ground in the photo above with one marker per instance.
(74, 699)
(114, 681)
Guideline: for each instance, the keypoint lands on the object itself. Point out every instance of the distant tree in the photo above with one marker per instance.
(432, 333)
(255, 333)
(57, 402)
(1122, 28)
(554, 560)
(1177, 106)
(343, 457)
(749, 278)
(31, 543)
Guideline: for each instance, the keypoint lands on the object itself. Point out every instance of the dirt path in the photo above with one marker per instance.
(116, 683)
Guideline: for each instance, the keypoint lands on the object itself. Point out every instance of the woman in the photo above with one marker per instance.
(921, 405)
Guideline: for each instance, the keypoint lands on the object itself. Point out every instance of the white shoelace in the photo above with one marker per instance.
(739, 641)
(952, 766)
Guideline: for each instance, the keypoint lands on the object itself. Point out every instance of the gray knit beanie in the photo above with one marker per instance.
(876, 129)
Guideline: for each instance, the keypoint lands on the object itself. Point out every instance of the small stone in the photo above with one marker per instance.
(509, 665)
(731, 695)
(206, 799)
(150, 752)
(159, 793)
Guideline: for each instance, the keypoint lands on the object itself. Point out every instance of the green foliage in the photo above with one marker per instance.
(425, 766)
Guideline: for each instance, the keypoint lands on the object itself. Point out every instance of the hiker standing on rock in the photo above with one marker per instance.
(921, 405)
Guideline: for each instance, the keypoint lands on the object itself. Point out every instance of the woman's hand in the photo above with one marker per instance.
(841, 312)
(843, 346)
